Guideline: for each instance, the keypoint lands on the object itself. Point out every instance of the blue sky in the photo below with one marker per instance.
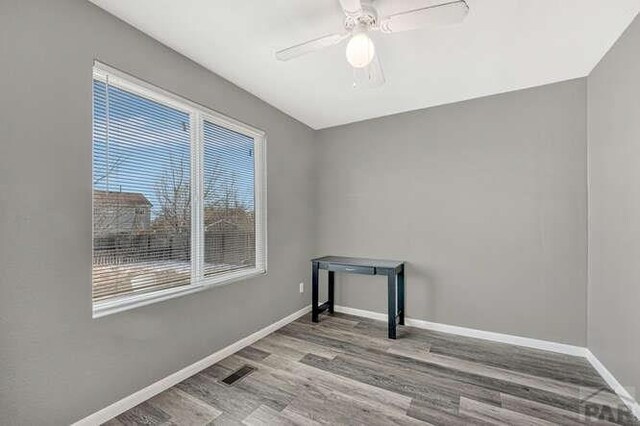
(146, 139)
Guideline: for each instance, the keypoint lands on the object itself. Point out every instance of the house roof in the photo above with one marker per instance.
(134, 199)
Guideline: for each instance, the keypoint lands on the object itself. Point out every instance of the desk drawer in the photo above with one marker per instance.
(367, 270)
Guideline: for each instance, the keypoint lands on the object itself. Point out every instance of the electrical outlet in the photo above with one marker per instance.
(301, 287)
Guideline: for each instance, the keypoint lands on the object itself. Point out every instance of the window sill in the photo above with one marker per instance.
(125, 303)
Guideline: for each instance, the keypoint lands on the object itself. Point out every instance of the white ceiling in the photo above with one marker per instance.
(503, 45)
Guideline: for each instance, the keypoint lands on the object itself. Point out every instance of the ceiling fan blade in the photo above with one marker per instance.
(310, 46)
(452, 12)
(369, 76)
(351, 7)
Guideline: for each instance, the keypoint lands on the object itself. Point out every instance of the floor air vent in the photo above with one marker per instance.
(243, 371)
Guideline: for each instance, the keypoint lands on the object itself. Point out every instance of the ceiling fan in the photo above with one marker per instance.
(361, 17)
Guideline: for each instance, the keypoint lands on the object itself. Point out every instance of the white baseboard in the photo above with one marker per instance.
(614, 384)
(150, 391)
(470, 332)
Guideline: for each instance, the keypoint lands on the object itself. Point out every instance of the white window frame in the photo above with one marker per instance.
(198, 114)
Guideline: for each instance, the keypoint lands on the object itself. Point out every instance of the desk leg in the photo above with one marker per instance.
(314, 292)
(391, 299)
(401, 296)
(331, 291)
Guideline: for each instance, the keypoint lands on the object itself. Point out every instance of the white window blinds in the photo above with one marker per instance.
(229, 220)
(178, 192)
(141, 196)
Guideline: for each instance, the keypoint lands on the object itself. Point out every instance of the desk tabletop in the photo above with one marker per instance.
(359, 261)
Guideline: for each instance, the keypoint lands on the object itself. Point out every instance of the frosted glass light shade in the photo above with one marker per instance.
(360, 50)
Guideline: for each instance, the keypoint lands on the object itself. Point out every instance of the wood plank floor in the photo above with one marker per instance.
(345, 371)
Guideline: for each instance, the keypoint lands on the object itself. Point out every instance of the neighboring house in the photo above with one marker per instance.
(120, 212)
(229, 236)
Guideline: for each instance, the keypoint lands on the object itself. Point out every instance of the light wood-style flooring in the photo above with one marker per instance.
(345, 371)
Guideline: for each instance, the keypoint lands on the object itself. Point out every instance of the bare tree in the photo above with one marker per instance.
(111, 168)
(227, 218)
(173, 191)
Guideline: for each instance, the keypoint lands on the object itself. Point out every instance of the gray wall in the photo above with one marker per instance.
(614, 209)
(485, 199)
(57, 364)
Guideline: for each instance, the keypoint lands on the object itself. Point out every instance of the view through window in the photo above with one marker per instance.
(176, 193)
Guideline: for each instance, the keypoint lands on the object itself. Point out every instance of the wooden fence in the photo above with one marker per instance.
(229, 246)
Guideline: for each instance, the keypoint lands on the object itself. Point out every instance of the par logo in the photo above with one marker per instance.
(604, 405)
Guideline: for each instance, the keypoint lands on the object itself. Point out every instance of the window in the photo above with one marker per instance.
(178, 195)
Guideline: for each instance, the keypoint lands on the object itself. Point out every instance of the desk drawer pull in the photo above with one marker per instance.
(367, 270)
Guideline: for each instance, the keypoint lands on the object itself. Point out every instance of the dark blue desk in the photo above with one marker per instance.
(393, 269)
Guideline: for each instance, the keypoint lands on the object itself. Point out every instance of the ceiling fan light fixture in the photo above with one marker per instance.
(360, 18)
(360, 50)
